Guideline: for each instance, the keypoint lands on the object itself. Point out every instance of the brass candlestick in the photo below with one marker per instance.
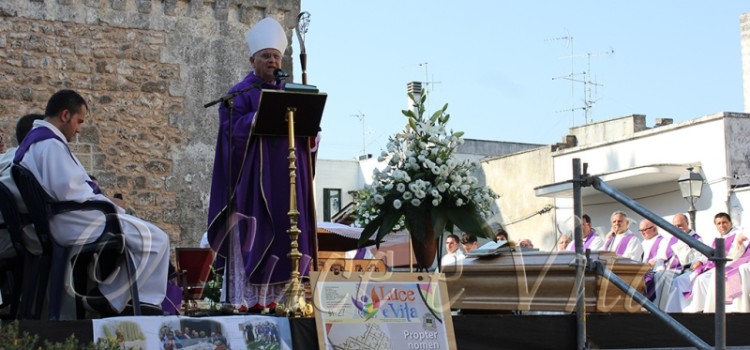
(293, 306)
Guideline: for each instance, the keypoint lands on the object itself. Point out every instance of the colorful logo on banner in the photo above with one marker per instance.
(367, 308)
(393, 303)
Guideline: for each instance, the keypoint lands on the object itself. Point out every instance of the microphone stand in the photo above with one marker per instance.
(228, 100)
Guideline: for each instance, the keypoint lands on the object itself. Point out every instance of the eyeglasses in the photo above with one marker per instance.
(270, 56)
(646, 229)
(450, 243)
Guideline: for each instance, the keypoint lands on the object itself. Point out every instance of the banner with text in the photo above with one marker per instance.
(382, 311)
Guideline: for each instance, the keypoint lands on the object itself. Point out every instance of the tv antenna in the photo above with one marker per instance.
(569, 44)
(584, 78)
(428, 83)
(361, 117)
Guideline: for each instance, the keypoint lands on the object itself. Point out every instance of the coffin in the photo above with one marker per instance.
(540, 281)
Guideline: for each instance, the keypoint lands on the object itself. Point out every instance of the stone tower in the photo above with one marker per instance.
(146, 68)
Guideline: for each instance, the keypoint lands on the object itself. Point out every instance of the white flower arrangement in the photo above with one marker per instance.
(423, 177)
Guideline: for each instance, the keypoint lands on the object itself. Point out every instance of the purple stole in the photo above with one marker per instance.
(674, 262)
(586, 242)
(649, 278)
(734, 284)
(35, 135)
(620, 250)
(710, 264)
(42, 133)
(361, 253)
(654, 248)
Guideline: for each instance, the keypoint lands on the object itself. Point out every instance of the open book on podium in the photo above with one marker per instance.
(273, 105)
(490, 248)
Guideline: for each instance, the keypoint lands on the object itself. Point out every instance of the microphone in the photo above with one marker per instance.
(280, 75)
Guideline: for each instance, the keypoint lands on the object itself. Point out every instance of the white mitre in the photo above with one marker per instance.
(266, 34)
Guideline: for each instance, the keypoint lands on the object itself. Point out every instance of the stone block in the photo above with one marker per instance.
(144, 6)
(118, 4)
(155, 86)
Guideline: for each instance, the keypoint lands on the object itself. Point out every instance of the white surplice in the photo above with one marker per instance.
(64, 178)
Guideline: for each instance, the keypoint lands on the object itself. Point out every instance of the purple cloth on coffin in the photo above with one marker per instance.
(361, 252)
(260, 178)
(173, 301)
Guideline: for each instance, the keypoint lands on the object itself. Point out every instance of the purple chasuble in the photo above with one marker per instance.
(260, 189)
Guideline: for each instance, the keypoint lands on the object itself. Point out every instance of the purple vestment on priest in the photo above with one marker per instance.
(260, 185)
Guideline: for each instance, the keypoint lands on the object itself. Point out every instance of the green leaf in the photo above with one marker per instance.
(390, 219)
(444, 119)
(413, 123)
(369, 229)
(435, 116)
(439, 220)
(468, 219)
(408, 112)
(416, 222)
(458, 134)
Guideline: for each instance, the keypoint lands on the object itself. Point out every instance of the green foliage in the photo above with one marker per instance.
(11, 338)
(212, 290)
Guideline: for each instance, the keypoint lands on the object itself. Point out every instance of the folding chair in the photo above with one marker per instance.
(13, 222)
(55, 258)
(194, 267)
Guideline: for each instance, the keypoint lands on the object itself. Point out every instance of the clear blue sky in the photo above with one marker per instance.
(494, 62)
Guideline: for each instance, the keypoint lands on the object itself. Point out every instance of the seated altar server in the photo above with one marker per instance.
(591, 238)
(45, 152)
(620, 240)
(688, 292)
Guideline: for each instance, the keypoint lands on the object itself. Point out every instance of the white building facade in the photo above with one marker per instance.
(643, 163)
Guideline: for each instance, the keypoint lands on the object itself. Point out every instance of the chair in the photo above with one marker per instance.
(14, 267)
(55, 259)
(194, 267)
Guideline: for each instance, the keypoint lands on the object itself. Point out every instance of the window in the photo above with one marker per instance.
(331, 202)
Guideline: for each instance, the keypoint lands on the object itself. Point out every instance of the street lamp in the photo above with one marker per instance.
(691, 186)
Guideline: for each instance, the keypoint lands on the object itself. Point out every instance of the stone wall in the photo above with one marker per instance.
(146, 68)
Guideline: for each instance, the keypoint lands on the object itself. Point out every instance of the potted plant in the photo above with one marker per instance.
(423, 188)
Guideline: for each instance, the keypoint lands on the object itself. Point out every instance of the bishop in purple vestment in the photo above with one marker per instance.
(259, 185)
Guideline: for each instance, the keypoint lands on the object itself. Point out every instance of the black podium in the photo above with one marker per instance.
(290, 114)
